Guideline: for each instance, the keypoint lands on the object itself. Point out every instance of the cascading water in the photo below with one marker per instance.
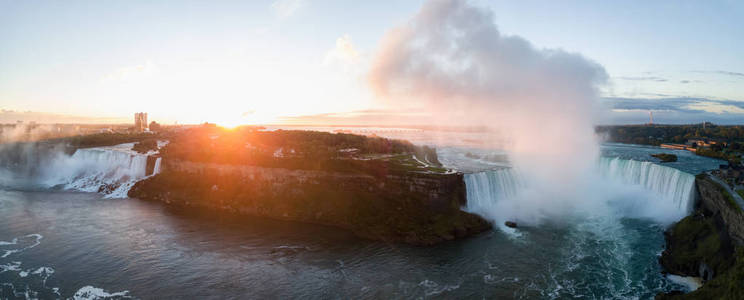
(108, 170)
(669, 183)
(484, 188)
(638, 188)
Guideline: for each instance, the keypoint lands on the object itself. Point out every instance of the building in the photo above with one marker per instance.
(678, 147)
(140, 121)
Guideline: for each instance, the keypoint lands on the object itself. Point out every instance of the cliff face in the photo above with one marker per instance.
(420, 209)
(718, 203)
(705, 244)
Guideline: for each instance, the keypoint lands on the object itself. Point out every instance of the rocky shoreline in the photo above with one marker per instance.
(415, 208)
(708, 244)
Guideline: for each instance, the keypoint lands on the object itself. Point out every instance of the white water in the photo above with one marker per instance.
(669, 183)
(109, 170)
(628, 188)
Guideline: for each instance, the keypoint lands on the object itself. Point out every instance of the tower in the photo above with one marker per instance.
(650, 117)
(140, 121)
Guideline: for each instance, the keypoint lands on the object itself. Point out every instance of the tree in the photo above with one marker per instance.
(154, 126)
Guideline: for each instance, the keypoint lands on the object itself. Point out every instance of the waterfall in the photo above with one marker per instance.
(111, 170)
(638, 188)
(156, 169)
(484, 188)
(672, 184)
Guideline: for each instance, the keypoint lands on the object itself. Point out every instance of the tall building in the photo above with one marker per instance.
(140, 121)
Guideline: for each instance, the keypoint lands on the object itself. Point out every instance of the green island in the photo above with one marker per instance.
(377, 188)
(665, 157)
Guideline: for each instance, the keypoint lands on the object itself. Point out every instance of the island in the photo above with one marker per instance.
(380, 189)
(665, 157)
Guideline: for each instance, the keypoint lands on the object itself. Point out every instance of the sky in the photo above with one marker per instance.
(249, 62)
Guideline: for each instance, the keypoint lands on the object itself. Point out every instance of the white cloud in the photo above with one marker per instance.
(128, 73)
(286, 8)
(717, 108)
(344, 52)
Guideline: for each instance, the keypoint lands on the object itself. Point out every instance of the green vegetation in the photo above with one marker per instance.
(657, 134)
(664, 157)
(384, 209)
(728, 285)
(730, 139)
(308, 150)
(696, 239)
(741, 193)
(145, 146)
(729, 199)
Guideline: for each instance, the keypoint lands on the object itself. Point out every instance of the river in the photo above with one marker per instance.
(62, 243)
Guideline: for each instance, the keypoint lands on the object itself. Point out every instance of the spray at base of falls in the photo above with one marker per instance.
(621, 187)
(112, 171)
(108, 170)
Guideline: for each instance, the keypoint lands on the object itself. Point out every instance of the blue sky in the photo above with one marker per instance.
(256, 61)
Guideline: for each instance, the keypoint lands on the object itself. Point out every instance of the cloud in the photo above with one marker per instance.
(452, 62)
(677, 104)
(128, 73)
(690, 81)
(11, 116)
(729, 73)
(344, 52)
(286, 8)
(643, 78)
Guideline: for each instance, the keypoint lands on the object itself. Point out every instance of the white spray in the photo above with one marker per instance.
(452, 61)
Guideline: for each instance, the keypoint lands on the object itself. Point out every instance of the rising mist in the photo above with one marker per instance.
(452, 61)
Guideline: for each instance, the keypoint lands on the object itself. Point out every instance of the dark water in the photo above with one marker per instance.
(155, 252)
(60, 245)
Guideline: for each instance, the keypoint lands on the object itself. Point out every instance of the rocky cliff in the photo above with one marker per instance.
(717, 202)
(416, 208)
(707, 244)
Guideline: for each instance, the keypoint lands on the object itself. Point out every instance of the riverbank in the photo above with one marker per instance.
(708, 244)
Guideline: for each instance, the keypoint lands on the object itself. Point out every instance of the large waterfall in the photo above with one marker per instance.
(639, 188)
(108, 170)
(672, 184)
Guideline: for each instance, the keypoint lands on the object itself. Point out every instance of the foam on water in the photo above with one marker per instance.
(91, 292)
(31, 283)
(690, 283)
(603, 245)
(24, 243)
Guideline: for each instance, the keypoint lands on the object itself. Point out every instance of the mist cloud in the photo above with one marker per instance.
(451, 60)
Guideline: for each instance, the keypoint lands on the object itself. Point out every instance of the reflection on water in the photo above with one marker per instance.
(128, 247)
